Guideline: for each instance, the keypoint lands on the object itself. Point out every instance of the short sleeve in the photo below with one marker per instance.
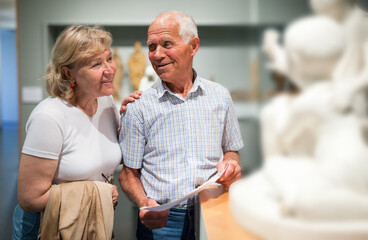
(44, 137)
(132, 139)
(231, 139)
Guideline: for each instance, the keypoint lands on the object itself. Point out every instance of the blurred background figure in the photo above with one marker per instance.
(312, 47)
(137, 66)
(118, 75)
(148, 79)
(313, 184)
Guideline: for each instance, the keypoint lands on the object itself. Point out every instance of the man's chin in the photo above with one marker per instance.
(163, 73)
(162, 76)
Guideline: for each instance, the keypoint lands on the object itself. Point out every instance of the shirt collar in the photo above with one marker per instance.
(163, 89)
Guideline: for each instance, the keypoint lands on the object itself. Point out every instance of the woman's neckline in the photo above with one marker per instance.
(89, 111)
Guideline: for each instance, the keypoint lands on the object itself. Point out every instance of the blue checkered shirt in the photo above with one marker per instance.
(177, 142)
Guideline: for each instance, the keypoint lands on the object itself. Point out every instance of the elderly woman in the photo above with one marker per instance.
(72, 134)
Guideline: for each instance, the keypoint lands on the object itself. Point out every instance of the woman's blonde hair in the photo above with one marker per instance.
(73, 47)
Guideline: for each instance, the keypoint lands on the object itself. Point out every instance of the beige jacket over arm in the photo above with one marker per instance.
(78, 210)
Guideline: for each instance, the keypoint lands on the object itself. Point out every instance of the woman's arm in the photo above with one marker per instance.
(35, 177)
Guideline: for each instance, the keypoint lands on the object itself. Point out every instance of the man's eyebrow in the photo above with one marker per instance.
(168, 39)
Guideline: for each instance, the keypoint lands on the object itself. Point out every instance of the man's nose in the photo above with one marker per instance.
(159, 53)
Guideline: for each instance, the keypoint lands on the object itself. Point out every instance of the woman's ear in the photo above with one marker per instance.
(194, 44)
(66, 71)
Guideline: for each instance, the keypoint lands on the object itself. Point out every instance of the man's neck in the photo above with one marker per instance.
(183, 88)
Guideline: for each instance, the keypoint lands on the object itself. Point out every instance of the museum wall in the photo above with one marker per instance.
(230, 51)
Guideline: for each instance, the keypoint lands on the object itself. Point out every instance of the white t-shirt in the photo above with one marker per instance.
(85, 146)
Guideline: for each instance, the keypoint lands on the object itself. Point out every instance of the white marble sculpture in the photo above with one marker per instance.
(314, 185)
(148, 79)
(336, 9)
(312, 47)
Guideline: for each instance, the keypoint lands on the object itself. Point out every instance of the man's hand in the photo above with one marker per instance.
(232, 173)
(153, 219)
(131, 98)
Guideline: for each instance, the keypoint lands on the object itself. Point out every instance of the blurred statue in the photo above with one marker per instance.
(137, 66)
(312, 47)
(148, 79)
(332, 118)
(118, 75)
(335, 9)
(314, 185)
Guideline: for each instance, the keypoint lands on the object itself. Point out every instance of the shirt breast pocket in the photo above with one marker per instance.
(208, 137)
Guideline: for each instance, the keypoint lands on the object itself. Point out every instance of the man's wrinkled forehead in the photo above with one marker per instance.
(163, 21)
(162, 30)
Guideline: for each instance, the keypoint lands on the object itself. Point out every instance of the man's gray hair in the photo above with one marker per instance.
(187, 26)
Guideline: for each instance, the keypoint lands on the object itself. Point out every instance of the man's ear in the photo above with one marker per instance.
(194, 44)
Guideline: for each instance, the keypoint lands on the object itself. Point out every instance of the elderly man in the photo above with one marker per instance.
(177, 133)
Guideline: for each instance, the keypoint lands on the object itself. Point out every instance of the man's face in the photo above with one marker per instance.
(169, 55)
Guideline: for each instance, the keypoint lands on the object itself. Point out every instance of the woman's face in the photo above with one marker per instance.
(95, 78)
